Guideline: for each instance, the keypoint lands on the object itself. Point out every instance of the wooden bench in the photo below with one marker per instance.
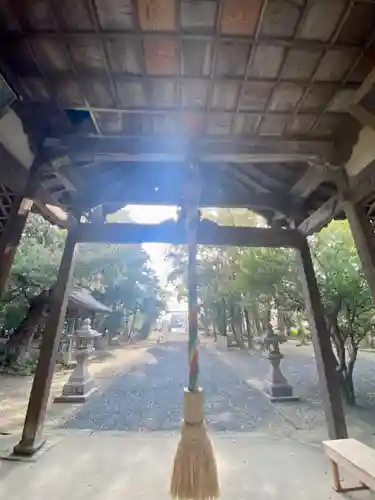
(355, 457)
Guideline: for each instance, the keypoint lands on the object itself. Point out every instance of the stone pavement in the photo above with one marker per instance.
(306, 417)
(14, 391)
(120, 443)
(133, 466)
(148, 396)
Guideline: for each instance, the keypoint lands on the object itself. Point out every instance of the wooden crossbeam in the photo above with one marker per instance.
(321, 217)
(166, 149)
(171, 232)
(128, 194)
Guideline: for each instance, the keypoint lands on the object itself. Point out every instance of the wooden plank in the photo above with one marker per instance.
(325, 360)
(353, 456)
(170, 232)
(32, 438)
(321, 217)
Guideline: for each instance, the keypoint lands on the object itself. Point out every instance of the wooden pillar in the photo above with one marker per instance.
(15, 225)
(325, 360)
(364, 241)
(32, 438)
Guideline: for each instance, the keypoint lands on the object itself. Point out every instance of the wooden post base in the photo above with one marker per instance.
(28, 449)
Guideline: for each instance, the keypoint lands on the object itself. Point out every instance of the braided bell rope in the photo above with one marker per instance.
(191, 199)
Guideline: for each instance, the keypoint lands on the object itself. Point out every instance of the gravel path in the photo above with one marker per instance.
(149, 397)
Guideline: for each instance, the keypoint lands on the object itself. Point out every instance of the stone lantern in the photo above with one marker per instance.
(80, 385)
(277, 387)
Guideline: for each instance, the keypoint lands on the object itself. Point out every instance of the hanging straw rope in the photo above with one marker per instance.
(191, 228)
(194, 470)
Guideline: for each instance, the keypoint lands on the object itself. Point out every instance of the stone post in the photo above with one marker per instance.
(80, 385)
(277, 387)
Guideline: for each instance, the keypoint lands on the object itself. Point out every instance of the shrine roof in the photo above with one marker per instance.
(123, 94)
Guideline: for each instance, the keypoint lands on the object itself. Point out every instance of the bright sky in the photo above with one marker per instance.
(152, 215)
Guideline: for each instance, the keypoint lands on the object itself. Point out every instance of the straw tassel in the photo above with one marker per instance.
(194, 475)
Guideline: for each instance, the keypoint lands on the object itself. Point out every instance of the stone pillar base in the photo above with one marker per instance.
(75, 398)
(80, 385)
(76, 392)
(222, 343)
(280, 392)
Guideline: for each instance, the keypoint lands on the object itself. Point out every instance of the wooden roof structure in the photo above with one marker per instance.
(120, 95)
(81, 299)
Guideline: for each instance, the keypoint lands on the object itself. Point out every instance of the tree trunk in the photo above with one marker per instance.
(301, 333)
(214, 330)
(126, 324)
(131, 330)
(338, 340)
(20, 342)
(248, 329)
(222, 318)
(255, 313)
(281, 323)
(146, 327)
(344, 368)
(236, 333)
(349, 384)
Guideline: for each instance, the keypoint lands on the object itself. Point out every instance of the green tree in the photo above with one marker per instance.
(346, 297)
(244, 287)
(118, 276)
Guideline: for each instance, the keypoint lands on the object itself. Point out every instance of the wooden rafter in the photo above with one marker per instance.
(309, 182)
(14, 176)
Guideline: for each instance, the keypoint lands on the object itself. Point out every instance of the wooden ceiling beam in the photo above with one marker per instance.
(144, 77)
(180, 148)
(171, 232)
(173, 110)
(321, 217)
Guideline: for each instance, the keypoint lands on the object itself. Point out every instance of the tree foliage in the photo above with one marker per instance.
(119, 276)
(241, 290)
